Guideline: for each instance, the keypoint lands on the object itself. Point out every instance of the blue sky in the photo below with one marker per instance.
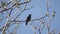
(38, 11)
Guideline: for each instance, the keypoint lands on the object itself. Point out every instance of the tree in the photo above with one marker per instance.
(10, 19)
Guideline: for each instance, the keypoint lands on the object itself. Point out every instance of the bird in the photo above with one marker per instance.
(28, 19)
(53, 14)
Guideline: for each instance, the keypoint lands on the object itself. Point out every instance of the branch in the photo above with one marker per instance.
(30, 20)
(13, 6)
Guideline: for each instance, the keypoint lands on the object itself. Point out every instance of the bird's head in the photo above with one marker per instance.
(29, 14)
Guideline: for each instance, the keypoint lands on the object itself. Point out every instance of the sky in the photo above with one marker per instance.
(37, 11)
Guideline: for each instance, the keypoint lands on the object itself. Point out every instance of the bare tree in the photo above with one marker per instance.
(18, 4)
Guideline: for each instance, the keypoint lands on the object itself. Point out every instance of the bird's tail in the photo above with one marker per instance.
(26, 23)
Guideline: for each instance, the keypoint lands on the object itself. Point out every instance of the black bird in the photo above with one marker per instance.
(28, 19)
